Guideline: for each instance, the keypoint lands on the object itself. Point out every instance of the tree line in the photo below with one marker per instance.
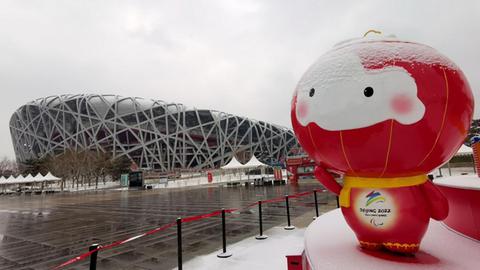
(75, 168)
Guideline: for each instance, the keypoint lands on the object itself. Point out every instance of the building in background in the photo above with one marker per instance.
(155, 135)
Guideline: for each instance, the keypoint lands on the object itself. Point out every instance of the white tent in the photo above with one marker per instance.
(38, 178)
(28, 179)
(11, 180)
(20, 179)
(50, 177)
(254, 162)
(234, 164)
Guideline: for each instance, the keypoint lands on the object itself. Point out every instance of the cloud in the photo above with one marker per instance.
(241, 57)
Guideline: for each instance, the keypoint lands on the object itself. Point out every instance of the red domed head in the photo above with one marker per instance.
(382, 108)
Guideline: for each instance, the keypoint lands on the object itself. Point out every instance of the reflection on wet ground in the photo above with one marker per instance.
(42, 231)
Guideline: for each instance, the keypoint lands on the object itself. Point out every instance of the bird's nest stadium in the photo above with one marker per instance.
(154, 134)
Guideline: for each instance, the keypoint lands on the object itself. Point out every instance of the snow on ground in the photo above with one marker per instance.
(56, 187)
(460, 181)
(107, 185)
(254, 254)
(453, 171)
(203, 180)
(441, 248)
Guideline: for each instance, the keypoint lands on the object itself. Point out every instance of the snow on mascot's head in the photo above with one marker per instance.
(383, 112)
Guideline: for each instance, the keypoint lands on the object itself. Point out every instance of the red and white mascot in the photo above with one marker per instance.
(383, 112)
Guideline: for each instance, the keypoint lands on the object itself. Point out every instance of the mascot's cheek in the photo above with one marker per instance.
(401, 104)
(302, 109)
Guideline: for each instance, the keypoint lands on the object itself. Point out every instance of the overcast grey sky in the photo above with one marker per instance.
(241, 57)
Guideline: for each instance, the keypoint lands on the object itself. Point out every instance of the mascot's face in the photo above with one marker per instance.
(356, 97)
(382, 108)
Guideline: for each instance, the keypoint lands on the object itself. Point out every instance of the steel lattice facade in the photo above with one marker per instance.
(154, 134)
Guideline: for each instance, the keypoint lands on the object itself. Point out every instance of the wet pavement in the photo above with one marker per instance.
(42, 231)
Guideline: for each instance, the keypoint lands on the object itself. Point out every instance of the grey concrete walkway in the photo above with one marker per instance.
(39, 232)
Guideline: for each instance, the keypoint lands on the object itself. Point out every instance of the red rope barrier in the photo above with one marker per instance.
(279, 199)
(193, 218)
(114, 244)
(297, 195)
(166, 226)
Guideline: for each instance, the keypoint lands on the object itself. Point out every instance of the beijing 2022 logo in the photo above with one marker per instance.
(375, 208)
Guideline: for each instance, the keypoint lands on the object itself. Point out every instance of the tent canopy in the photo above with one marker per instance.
(234, 164)
(11, 180)
(28, 179)
(38, 178)
(254, 162)
(50, 177)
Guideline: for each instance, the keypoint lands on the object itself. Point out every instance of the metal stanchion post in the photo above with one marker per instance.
(287, 205)
(261, 236)
(316, 204)
(93, 256)
(179, 243)
(224, 254)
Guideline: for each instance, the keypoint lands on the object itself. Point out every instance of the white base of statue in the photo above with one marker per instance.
(331, 244)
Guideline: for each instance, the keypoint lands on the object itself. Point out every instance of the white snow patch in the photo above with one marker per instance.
(334, 73)
(393, 49)
(252, 254)
(330, 244)
(459, 181)
(465, 150)
(334, 95)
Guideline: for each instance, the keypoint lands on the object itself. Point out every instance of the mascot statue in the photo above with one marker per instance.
(383, 113)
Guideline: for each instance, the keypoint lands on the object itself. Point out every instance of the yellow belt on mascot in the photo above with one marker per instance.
(350, 182)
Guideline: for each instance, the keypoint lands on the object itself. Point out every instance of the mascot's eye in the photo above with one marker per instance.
(312, 92)
(368, 92)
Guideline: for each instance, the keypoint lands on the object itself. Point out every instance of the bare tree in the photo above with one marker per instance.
(78, 167)
(57, 167)
(102, 165)
(81, 167)
(8, 167)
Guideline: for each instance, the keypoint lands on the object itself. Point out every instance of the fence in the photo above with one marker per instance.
(94, 249)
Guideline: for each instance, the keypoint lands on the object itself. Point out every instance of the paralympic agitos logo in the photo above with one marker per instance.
(375, 208)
